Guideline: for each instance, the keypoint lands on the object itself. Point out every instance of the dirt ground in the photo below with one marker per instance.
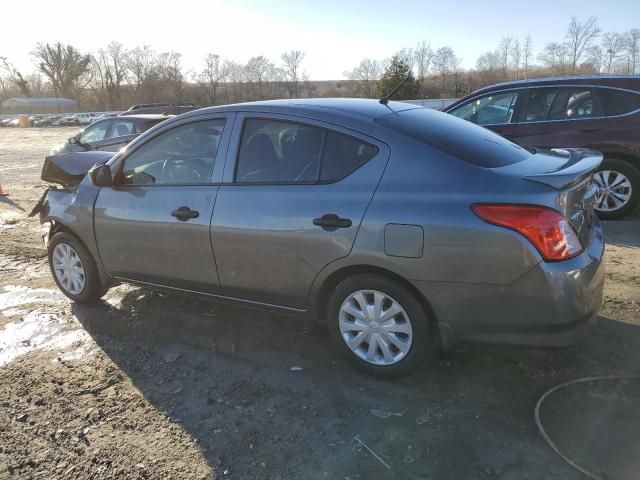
(151, 385)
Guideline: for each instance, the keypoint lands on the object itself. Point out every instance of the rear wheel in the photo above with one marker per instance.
(379, 326)
(619, 184)
(74, 269)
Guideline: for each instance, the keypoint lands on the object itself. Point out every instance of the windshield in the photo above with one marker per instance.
(459, 138)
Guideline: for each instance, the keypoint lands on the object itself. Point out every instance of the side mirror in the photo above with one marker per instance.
(100, 175)
(72, 140)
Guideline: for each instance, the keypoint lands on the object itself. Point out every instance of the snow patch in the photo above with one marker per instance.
(38, 329)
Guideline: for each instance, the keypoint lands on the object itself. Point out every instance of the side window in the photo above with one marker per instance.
(279, 151)
(94, 133)
(617, 102)
(344, 155)
(540, 101)
(490, 110)
(121, 128)
(562, 104)
(182, 155)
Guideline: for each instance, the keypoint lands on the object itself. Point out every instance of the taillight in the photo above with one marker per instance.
(548, 230)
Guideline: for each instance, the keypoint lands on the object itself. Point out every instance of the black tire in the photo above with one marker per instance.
(93, 288)
(424, 340)
(633, 174)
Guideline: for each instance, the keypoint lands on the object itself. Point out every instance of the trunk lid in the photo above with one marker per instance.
(568, 173)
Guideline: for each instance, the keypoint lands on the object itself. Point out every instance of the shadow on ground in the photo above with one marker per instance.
(224, 374)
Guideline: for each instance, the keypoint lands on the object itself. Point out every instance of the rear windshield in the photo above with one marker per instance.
(460, 138)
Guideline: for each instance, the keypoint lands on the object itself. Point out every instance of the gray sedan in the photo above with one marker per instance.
(407, 230)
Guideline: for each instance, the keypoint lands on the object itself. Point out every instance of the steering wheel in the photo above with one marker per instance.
(174, 167)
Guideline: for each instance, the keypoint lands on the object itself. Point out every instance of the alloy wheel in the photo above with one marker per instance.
(614, 190)
(68, 268)
(375, 327)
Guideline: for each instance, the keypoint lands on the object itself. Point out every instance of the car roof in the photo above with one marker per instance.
(364, 109)
(145, 116)
(622, 81)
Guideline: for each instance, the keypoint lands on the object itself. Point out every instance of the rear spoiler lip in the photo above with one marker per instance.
(581, 164)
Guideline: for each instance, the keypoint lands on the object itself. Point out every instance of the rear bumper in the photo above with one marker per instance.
(552, 305)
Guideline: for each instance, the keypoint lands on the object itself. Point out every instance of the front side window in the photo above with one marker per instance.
(94, 133)
(121, 128)
(617, 102)
(182, 155)
(547, 104)
(490, 110)
(288, 152)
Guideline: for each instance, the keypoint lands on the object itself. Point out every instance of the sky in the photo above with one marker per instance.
(334, 34)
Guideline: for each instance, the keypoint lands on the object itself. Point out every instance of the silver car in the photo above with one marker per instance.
(407, 230)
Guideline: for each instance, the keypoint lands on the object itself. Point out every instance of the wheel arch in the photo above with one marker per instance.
(328, 284)
(615, 154)
(58, 227)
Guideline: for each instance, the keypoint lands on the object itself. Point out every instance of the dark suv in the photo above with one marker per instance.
(596, 112)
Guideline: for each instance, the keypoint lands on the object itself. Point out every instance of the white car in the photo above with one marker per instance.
(77, 119)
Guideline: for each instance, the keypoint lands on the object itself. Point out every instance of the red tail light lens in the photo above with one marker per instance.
(548, 230)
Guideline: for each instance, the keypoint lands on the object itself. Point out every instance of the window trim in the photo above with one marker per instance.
(284, 118)
(516, 110)
(120, 161)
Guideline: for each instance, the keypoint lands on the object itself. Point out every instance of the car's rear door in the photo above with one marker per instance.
(566, 116)
(294, 194)
(153, 225)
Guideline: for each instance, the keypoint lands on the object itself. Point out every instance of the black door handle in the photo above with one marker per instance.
(185, 213)
(332, 221)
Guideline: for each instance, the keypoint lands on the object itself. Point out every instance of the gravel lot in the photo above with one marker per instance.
(150, 385)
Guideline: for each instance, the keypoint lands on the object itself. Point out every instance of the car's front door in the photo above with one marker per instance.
(153, 225)
(294, 195)
(496, 111)
(120, 133)
(560, 117)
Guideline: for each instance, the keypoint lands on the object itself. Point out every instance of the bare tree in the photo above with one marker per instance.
(632, 47)
(504, 50)
(580, 36)
(527, 53)
(595, 57)
(555, 57)
(292, 60)
(516, 56)
(442, 62)
(488, 66)
(63, 65)
(366, 75)
(215, 71)
(407, 56)
(140, 64)
(171, 76)
(612, 47)
(15, 77)
(257, 70)
(423, 55)
(107, 74)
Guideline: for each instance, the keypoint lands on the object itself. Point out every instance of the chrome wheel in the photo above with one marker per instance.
(375, 327)
(68, 268)
(614, 190)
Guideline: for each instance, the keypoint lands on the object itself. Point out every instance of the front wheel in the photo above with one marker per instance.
(619, 189)
(74, 269)
(379, 326)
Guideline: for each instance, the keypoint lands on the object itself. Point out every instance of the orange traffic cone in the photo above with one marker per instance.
(2, 193)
